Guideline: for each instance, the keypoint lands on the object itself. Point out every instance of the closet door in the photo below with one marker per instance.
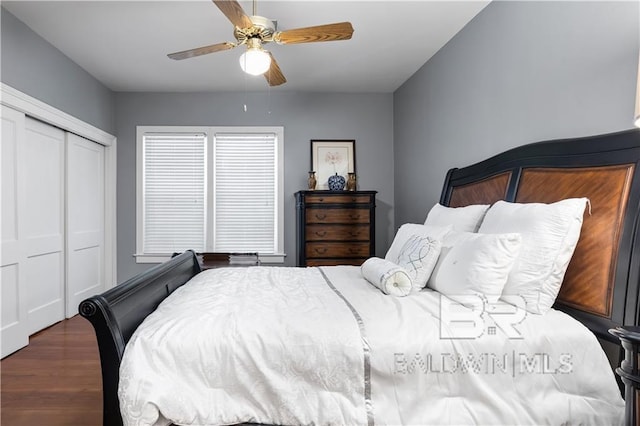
(44, 223)
(85, 220)
(13, 322)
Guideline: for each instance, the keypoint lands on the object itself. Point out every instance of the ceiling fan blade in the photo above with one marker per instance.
(202, 50)
(234, 12)
(329, 32)
(274, 75)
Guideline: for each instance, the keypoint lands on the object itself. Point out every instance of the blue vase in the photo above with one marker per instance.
(336, 183)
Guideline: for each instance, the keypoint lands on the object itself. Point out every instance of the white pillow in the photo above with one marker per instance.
(387, 276)
(475, 264)
(418, 256)
(550, 234)
(416, 249)
(463, 219)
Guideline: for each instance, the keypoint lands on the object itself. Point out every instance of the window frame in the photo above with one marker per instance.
(210, 131)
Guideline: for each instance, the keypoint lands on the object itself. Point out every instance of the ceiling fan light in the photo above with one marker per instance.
(255, 61)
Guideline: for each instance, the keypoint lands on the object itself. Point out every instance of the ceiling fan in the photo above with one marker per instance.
(255, 31)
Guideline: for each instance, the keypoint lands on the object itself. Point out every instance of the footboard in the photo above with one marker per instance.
(116, 313)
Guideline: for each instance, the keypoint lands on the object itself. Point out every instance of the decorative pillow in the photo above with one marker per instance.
(463, 219)
(418, 256)
(387, 276)
(475, 264)
(416, 248)
(550, 234)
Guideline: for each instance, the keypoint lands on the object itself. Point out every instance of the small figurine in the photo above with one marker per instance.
(312, 181)
(352, 183)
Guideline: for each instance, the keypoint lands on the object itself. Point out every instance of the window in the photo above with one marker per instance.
(209, 189)
(174, 185)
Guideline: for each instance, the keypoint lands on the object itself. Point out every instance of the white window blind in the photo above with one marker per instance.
(245, 185)
(174, 173)
(209, 189)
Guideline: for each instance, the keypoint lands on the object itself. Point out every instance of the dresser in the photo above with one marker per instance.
(335, 227)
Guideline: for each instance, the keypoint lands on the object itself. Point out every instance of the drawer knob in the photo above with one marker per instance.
(321, 199)
(354, 234)
(320, 216)
(321, 233)
(355, 216)
(354, 199)
(353, 250)
(321, 250)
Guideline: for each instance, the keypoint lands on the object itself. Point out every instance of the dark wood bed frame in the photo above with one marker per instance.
(601, 285)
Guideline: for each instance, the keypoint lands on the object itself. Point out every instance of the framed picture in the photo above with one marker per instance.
(329, 157)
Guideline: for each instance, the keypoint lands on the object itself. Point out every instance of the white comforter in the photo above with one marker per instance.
(323, 346)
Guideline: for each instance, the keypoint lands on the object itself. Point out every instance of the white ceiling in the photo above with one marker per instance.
(124, 43)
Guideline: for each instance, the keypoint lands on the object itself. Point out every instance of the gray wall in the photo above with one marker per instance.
(32, 65)
(520, 72)
(367, 118)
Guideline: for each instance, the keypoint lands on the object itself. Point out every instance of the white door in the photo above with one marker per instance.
(85, 220)
(13, 322)
(43, 216)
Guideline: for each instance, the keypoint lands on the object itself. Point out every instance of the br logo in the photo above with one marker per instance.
(471, 316)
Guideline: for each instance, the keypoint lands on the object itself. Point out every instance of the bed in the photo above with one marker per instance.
(599, 291)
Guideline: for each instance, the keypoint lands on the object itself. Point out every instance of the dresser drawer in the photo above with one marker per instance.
(332, 250)
(341, 199)
(338, 232)
(337, 215)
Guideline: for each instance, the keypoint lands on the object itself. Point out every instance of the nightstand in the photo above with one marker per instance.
(629, 370)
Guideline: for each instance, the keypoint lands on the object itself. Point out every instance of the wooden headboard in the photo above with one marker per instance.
(600, 288)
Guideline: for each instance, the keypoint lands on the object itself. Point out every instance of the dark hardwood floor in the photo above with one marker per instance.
(55, 380)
